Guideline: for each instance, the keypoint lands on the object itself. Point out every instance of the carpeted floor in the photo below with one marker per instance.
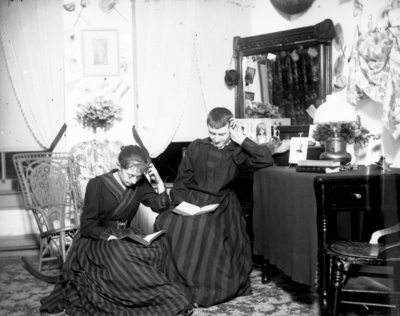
(20, 295)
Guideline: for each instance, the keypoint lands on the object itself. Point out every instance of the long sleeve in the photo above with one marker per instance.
(150, 198)
(91, 209)
(185, 176)
(254, 155)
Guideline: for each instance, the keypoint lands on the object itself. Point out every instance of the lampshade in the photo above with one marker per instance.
(335, 110)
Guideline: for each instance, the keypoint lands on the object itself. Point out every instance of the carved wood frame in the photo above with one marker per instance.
(278, 41)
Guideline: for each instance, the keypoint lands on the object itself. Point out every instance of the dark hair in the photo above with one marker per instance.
(218, 117)
(133, 156)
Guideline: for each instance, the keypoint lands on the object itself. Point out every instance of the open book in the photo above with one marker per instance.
(144, 240)
(187, 209)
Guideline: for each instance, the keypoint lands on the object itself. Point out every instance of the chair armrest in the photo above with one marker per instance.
(383, 232)
(390, 252)
(59, 230)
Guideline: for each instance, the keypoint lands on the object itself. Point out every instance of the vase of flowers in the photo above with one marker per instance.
(355, 135)
(98, 114)
(255, 109)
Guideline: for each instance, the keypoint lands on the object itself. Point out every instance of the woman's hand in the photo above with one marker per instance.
(236, 131)
(155, 176)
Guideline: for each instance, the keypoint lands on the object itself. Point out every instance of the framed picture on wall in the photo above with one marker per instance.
(249, 76)
(249, 96)
(100, 52)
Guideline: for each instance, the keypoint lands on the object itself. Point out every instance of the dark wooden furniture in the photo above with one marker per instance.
(349, 254)
(352, 208)
(285, 214)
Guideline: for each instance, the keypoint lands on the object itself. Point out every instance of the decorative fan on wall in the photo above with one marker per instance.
(292, 6)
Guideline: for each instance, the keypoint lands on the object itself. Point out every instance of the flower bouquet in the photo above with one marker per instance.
(99, 113)
(353, 133)
(257, 109)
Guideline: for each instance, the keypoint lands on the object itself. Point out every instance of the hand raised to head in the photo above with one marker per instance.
(153, 174)
(236, 131)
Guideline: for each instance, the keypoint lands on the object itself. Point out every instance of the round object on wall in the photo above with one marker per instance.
(292, 6)
(339, 82)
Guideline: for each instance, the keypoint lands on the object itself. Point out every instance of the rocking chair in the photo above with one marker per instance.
(48, 183)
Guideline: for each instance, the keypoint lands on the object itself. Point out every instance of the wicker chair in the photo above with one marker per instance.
(48, 185)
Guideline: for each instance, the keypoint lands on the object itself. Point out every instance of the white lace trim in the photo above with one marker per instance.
(187, 65)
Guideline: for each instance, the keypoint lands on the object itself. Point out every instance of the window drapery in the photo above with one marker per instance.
(169, 35)
(288, 81)
(32, 40)
(294, 83)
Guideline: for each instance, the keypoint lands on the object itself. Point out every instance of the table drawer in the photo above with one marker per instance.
(355, 196)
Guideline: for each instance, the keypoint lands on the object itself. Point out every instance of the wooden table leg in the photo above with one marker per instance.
(265, 271)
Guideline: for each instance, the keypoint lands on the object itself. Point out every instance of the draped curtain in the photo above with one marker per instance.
(170, 34)
(32, 40)
(374, 72)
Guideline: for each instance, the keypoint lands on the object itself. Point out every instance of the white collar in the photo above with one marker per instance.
(222, 146)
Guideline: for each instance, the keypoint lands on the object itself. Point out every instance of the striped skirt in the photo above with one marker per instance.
(209, 254)
(115, 278)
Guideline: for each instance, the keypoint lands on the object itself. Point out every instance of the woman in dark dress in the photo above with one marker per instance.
(210, 254)
(107, 276)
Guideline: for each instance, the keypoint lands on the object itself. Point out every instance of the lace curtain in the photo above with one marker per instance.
(32, 39)
(169, 34)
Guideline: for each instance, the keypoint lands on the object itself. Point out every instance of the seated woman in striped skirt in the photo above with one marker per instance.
(210, 254)
(104, 275)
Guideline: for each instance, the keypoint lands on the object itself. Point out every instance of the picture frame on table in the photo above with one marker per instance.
(258, 130)
(298, 149)
(100, 52)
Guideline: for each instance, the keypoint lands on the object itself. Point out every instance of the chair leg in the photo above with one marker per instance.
(336, 286)
(396, 276)
(62, 243)
(265, 271)
(42, 250)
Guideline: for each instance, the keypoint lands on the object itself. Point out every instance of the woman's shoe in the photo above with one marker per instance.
(188, 310)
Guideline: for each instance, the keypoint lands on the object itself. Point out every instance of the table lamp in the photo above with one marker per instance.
(335, 112)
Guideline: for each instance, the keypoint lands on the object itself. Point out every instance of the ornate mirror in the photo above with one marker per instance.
(284, 73)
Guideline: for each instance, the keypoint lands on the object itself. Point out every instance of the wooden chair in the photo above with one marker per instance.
(47, 182)
(347, 254)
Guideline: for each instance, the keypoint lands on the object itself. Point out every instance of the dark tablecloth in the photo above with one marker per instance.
(285, 221)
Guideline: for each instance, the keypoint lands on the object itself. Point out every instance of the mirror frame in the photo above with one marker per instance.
(275, 42)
